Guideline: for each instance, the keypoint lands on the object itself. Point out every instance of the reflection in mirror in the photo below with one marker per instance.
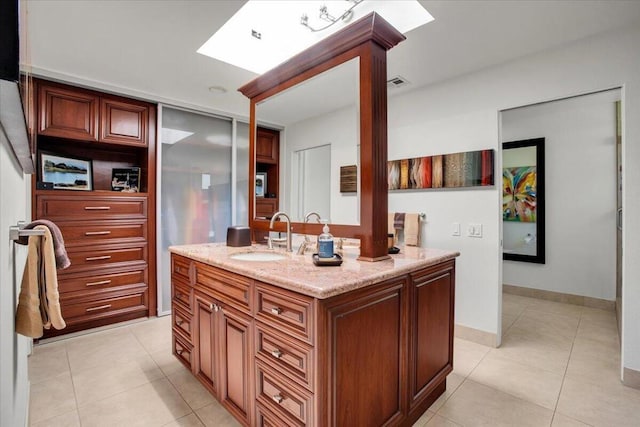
(320, 119)
(523, 200)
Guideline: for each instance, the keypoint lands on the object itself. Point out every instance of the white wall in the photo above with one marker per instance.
(580, 197)
(338, 129)
(462, 114)
(14, 384)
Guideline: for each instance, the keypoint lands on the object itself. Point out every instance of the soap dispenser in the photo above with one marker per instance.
(325, 242)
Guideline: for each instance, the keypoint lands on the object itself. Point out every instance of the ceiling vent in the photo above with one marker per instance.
(397, 81)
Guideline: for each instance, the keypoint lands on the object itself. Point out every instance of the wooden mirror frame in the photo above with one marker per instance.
(369, 38)
(539, 257)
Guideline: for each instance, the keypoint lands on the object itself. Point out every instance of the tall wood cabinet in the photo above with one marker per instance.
(109, 235)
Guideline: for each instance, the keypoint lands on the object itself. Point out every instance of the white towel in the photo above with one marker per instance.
(412, 229)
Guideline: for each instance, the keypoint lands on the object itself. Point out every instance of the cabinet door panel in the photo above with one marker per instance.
(206, 334)
(431, 341)
(236, 359)
(123, 122)
(66, 113)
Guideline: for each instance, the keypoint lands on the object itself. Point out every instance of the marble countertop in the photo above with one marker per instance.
(298, 272)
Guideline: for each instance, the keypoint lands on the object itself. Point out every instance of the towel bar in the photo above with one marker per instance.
(17, 231)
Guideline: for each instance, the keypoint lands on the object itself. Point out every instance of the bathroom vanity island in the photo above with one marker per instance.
(280, 341)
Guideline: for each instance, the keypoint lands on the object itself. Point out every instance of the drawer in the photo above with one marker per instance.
(231, 288)
(283, 398)
(183, 351)
(72, 207)
(182, 295)
(77, 233)
(286, 311)
(181, 322)
(182, 267)
(265, 208)
(286, 355)
(266, 418)
(100, 282)
(105, 257)
(83, 311)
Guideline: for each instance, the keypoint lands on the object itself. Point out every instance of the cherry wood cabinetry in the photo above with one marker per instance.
(109, 236)
(378, 355)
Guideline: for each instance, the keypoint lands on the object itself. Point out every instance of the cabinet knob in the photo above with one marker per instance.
(214, 307)
(276, 310)
(179, 322)
(179, 352)
(277, 398)
(276, 353)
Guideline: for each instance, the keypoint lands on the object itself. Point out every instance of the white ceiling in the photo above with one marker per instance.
(148, 48)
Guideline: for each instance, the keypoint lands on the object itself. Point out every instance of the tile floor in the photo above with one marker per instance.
(558, 366)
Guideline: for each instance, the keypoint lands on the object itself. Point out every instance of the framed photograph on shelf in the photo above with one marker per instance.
(261, 184)
(126, 180)
(66, 173)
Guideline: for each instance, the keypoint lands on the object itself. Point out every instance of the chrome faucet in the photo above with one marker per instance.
(288, 222)
(308, 216)
(307, 241)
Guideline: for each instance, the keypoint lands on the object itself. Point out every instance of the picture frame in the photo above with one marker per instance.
(66, 173)
(261, 184)
(126, 180)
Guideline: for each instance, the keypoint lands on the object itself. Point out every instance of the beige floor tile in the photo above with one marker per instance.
(453, 382)
(420, 422)
(607, 334)
(467, 355)
(47, 361)
(167, 362)
(190, 388)
(560, 420)
(215, 415)
(536, 350)
(519, 299)
(70, 419)
(594, 362)
(507, 321)
(513, 308)
(440, 421)
(595, 315)
(569, 310)
(547, 323)
(154, 334)
(113, 346)
(152, 404)
(190, 420)
(526, 382)
(474, 404)
(600, 405)
(52, 397)
(102, 381)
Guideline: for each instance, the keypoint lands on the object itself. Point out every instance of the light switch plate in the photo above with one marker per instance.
(474, 230)
(455, 229)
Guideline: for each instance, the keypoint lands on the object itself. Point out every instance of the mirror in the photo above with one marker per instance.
(523, 200)
(319, 119)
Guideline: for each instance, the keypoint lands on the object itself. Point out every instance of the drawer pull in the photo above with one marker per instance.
(277, 398)
(97, 258)
(179, 322)
(178, 295)
(276, 353)
(101, 282)
(102, 307)
(179, 352)
(276, 311)
(96, 233)
(97, 208)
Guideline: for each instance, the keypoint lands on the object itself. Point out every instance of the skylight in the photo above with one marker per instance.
(265, 33)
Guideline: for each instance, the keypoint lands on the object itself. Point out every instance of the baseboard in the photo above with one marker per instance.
(476, 335)
(602, 304)
(631, 378)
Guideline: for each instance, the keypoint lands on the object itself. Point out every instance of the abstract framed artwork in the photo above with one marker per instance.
(469, 169)
(519, 194)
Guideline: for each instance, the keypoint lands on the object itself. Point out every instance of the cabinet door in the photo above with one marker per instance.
(66, 113)
(205, 341)
(267, 146)
(123, 122)
(431, 357)
(235, 363)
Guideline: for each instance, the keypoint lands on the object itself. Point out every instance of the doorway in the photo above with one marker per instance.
(582, 239)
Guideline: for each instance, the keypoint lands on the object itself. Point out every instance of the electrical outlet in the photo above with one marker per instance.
(474, 230)
(455, 229)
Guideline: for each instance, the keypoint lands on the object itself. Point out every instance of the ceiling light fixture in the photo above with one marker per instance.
(325, 16)
(218, 90)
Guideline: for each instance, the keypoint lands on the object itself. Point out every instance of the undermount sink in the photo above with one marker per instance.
(258, 256)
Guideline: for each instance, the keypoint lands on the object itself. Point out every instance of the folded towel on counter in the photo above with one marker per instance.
(62, 260)
(398, 220)
(391, 229)
(39, 300)
(412, 229)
